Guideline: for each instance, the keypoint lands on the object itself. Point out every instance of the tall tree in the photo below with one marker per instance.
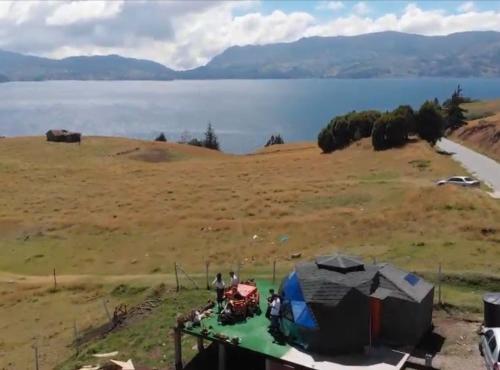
(430, 123)
(455, 117)
(408, 114)
(161, 137)
(211, 140)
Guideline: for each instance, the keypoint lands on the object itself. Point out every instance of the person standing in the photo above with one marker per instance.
(275, 312)
(269, 301)
(219, 285)
(234, 279)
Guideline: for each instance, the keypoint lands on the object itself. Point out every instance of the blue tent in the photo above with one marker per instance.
(294, 300)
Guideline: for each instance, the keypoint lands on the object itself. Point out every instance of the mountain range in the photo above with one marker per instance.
(375, 55)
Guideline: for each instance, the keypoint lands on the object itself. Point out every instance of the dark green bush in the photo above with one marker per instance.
(378, 135)
(361, 123)
(430, 123)
(275, 140)
(325, 140)
(161, 137)
(389, 131)
(342, 130)
(410, 120)
(195, 142)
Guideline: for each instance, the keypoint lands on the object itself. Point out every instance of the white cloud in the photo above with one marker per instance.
(468, 6)
(81, 11)
(200, 36)
(330, 5)
(17, 12)
(184, 34)
(413, 20)
(361, 8)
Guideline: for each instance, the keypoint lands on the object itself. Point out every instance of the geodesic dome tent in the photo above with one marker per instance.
(340, 304)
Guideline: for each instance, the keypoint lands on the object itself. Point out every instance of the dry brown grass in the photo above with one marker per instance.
(85, 210)
(482, 134)
(108, 209)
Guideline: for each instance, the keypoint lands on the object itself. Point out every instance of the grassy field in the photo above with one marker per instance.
(115, 211)
(483, 130)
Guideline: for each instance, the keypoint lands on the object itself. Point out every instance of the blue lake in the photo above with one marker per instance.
(244, 113)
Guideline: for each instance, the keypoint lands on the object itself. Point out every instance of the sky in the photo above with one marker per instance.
(187, 34)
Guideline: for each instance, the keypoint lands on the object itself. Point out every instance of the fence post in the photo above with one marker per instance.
(75, 332)
(274, 272)
(35, 347)
(106, 309)
(439, 285)
(55, 280)
(206, 273)
(176, 277)
(179, 267)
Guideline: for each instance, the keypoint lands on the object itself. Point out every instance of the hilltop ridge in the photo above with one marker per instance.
(374, 55)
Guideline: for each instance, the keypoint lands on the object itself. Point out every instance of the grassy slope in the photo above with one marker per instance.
(483, 130)
(87, 211)
(148, 342)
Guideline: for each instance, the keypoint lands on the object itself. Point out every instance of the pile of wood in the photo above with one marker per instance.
(63, 136)
(124, 315)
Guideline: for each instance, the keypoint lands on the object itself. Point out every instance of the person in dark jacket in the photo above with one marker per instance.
(220, 286)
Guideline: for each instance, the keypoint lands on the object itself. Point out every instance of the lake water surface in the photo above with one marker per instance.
(244, 113)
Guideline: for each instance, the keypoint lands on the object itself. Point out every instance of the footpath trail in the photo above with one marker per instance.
(7, 277)
(481, 166)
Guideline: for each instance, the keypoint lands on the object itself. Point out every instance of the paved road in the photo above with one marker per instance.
(482, 167)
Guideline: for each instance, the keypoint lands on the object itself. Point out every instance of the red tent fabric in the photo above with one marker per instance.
(245, 290)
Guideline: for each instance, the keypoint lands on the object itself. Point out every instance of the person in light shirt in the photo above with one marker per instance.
(275, 312)
(219, 285)
(234, 279)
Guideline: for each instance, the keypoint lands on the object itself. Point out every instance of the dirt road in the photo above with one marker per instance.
(484, 168)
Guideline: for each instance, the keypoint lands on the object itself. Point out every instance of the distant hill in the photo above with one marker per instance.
(375, 55)
(385, 54)
(19, 67)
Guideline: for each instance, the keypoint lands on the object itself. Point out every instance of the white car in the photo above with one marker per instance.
(489, 347)
(459, 180)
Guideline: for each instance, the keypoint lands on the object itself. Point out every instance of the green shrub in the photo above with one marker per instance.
(342, 130)
(275, 140)
(325, 140)
(410, 120)
(379, 141)
(161, 137)
(195, 142)
(430, 123)
(389, 131)
(361, 123)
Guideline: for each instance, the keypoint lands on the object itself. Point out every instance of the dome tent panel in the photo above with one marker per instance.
(290, 288)
(344, 327)
(339, 263)
(302, 315)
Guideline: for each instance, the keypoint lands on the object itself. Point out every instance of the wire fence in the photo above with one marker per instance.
(184, 278)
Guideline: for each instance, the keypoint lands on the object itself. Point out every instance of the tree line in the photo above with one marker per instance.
(209, 140)
(392, 129)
